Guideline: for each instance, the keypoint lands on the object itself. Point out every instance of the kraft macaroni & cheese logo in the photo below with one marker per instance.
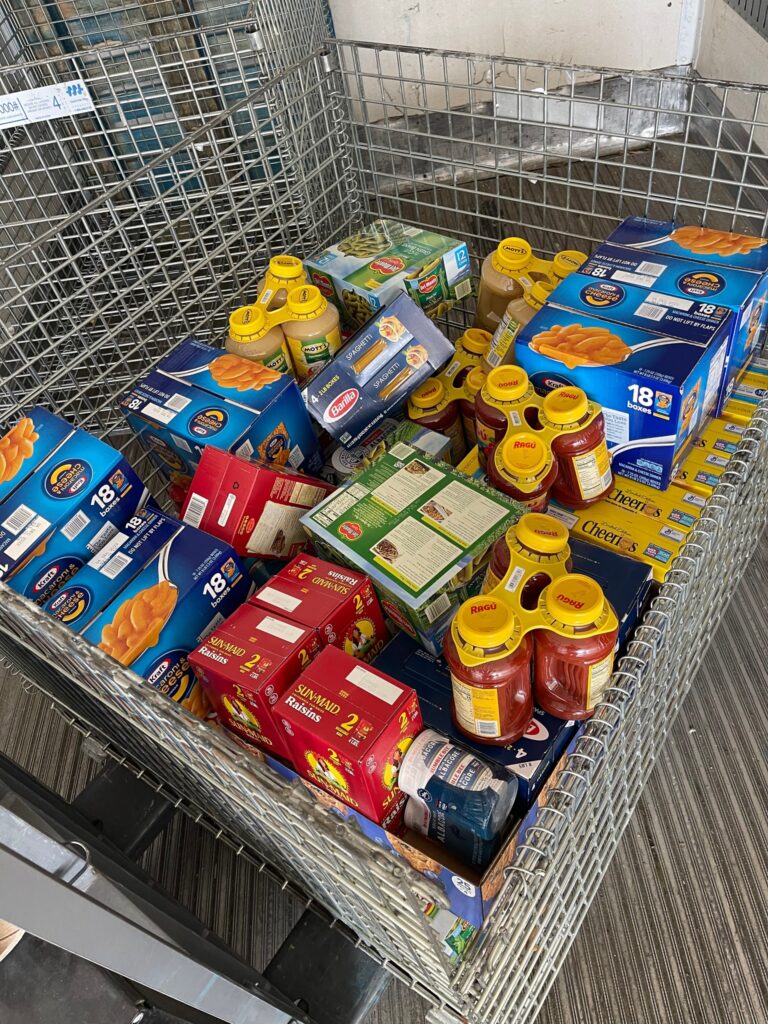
(172, 675)
(603, 295)
(71, 604)
(208, 422)
(67, 479)
(701, 283)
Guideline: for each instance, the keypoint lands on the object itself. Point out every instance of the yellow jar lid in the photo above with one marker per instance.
(248, 323)
(286, 267)
(512, 254)
(566, 261)
(507, 383)
(523, 454)
(305, 301)
(538, 294)
(541, 533)
(474, 381)
(428, 395)
(485, 622)
(475, 340)
(565, 405)
(575, 600)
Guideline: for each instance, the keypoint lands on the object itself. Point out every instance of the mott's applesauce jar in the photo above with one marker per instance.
(574, 653)
(500, 281)
(490, 665)
(518, 313)
(500, 401)
(565, 263)
(473, 382)
(428, 406)
(538, 546)
(284, 273)
(585, 466)
(524, 468)
(252, 337)
(312, 332)
(471, 348)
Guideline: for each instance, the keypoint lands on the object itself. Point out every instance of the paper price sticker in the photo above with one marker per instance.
(45, 104)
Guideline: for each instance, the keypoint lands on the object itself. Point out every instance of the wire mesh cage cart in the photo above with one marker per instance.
(113, 251)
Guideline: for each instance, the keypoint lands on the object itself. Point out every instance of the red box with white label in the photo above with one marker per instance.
(339, 603)
(244, 666)
(348, 727)
(255, 507)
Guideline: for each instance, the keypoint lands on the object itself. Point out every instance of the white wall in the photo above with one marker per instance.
(729, 48)
(633, 34)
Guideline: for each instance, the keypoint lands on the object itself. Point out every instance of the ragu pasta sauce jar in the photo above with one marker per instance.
(574, 652)
(500, 401)
(473, 382)
(524, 468)
(490, 665)
(429, 407)
(585, 466)
(536, 544)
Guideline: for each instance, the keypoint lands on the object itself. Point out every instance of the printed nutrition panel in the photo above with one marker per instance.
(463, 513)
(414, 554)
(407, 485)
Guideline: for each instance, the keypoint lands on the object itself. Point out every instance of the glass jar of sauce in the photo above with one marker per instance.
(524, 468)
(582, 453)
(500, 401)
(473, 382)
(502, 278)
(251, 337)
(535, 538)
(428, 406)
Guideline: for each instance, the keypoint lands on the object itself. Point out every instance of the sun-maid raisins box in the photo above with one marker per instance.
(32, 439)
(363, 272)
(656, 392)
(419, 529)
(199, 395)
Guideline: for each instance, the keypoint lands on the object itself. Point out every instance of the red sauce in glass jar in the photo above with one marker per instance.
(473, 382)
(582, 454)
(574, 652)
(490, 666)
(500, 401)
(428, 406)
(535, 538)
(524, 468)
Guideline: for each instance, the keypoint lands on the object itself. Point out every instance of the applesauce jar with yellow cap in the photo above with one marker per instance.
(252, 336)
(518, 313)
(311, 330)
(575, 649)
(284, 273)
(473, 383)
(534, 540)
(502, 278)
(566, 262)
(428, 406)
(490, 664)
(524, 468)
(501, 401)
(580, 448)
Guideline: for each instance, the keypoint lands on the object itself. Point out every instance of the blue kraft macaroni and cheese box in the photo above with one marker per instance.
(373, 374)
(191, 585)
(82, 491)
(193, 399)
(112, 568)
(31, 440)
(686, 299)
(656, 392)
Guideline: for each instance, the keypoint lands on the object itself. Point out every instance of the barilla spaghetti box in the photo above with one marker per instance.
(362, 273)
(530, 758)
(191, 585)
(722, 253)
(246, 664)
(255, 507)
(199, 396)
(656, 392)
(348, 727)
(104, 576)
(373, 374)
(32, 439)
(80, 493)
(336, 601)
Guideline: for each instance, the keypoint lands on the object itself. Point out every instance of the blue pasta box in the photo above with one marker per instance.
(373, 374)
(199, 395)
(192, 584)
(656, 392)
(32, 439)
(78, 496)
(108, 571)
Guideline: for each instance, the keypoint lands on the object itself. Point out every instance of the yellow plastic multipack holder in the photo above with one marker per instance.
(470, 348)
(284, 272)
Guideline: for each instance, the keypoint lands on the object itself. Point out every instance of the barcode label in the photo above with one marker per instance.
(651, 312)
(662, 299)
(486, 728)
(177, 402)
(514, 579)
(28, 538)
(695, 499)
(651, 268)
(226, 509)
(157, 412)
(606, 477)
(116, 564)
(195, 509)
(493, 359)
(245, 450)
(463, 288)
(438, 607)
(105, 536)
(75, 526)
(105, 553)
(717, 460)
(295, 457)
(19, 520)
(179, 441)
(400, 450)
